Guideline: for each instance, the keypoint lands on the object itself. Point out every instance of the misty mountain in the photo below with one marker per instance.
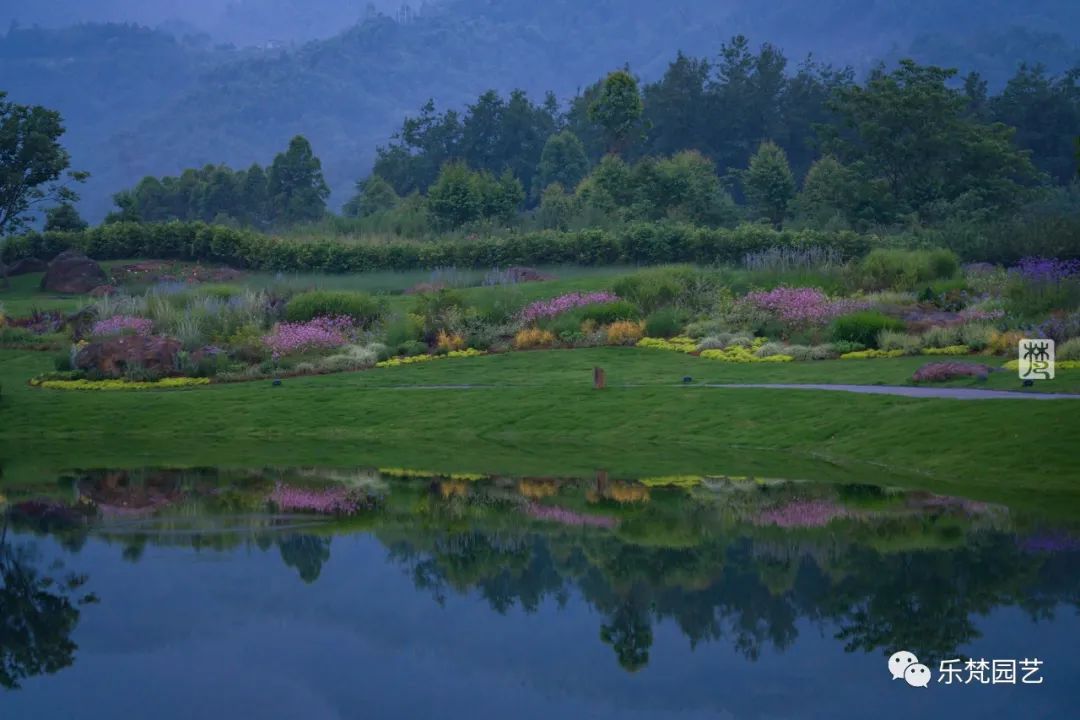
(139, 101)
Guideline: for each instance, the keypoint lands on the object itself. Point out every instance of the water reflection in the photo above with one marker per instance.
(742, 561)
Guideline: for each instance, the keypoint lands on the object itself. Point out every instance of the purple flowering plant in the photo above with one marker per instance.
(122, 325)
(318, 333)
(556, 306)
(800, 307)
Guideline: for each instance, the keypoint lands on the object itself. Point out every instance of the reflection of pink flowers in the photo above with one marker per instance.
(322, 332)
(330, 501)
(800, 513)
(567, 517)
(563, 303)
(122, 324)
(801, 306)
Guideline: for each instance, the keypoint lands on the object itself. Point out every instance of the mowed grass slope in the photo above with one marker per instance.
(544, 418)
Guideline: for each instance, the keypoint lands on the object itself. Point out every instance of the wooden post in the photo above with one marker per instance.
(599, 380)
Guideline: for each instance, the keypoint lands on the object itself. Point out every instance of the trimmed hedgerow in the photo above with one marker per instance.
(643, 243)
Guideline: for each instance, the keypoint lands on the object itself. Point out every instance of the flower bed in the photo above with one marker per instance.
(414, 359)
(950, 350)
(869, 354)
(164, 384)
(740, 354)
(680, 343)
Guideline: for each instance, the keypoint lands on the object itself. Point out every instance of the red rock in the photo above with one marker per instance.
(112, 356)
(73, 272)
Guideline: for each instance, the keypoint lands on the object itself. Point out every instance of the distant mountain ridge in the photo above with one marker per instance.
(139, 101)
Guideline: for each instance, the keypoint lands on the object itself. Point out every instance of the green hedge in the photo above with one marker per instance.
(646, 243)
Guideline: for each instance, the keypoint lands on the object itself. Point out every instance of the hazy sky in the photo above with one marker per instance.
(240, 21)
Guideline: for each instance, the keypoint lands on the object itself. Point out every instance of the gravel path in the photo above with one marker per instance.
(917, 392)
(900, 390)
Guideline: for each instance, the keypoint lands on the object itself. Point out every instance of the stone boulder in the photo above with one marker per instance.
(72, 272)
(26, 265)
(103, 290)
(112, 356)
(527, 274)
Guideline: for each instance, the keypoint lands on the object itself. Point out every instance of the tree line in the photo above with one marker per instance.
(711, 143)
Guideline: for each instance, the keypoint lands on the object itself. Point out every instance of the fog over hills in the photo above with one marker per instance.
(152, 87)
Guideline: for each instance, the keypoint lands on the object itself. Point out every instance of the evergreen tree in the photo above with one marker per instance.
(295, 186)
(769, 184)
(562, 161)
(618, 109)
(64, 217)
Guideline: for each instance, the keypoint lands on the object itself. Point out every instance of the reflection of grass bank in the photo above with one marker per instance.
(994, 450)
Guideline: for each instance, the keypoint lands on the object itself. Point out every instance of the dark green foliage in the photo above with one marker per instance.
(64, 217)
(912, 142)
(218, 194)
(683, 187)
(769, 184)
(906, 269)
(373, 195)
(295, 184)
(655, 288)
(562, 161)
(361, 307)
(617, 109)
(607, 313)
(493, 135)
(863, 327)
(664, 323)
(33, 163)
(461, 196)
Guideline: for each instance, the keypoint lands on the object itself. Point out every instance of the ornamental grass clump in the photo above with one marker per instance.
(556, 306)
(942, 371)
(624, 332)
(531, 338)
(122, 325)
(320, 333)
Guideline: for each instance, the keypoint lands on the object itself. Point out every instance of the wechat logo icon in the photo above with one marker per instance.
(905, 666)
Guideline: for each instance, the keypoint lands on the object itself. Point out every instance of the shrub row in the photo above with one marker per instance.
(646, 243)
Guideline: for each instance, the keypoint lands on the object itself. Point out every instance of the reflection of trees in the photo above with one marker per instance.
(749, 590)
(306, 553)
(629, 632)
(37, 616)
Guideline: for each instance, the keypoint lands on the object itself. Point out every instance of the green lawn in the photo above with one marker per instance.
(548, 420)
(24, 295)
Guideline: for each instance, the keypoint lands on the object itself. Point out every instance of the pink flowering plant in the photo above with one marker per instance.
(122, 325)
(556, 306)
(319, 333)
(801, 307)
